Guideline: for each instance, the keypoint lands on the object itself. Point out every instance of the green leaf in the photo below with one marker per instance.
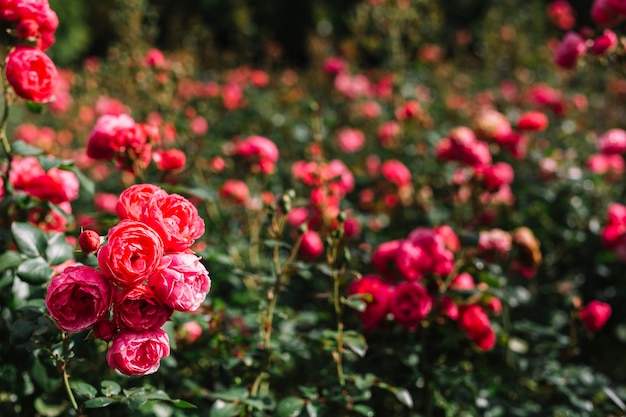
(35, 107)
(311, 410)
(87, 186)
(84, 389)
(233, 394)
(29, 240)
(402, 395)
(49, 162)
(99, 402)
(274, 243)
(109, 388)
(135, 401)
(364, 410)
(35, 271)
(48, 410)
(289, 407)
(356, 301)
(19, 147)
(58, 250)
(223, 409)
(159, 395)
(355, 342)
(182, 404)
(9, 260)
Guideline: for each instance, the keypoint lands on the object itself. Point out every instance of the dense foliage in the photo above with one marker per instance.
(405, 227)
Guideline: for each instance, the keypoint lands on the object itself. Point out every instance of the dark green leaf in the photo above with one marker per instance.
(159, 395)
(49, 162)
(58, 250)
(35, 271)
(48, 410)
(29, 240)
(19, 147)
(355, 342)
(311, 409)
(84, 389)
(289, 407)
(364, 410)
(99, 402)
(35, 107)
(109, 388)
(273, 243)
(233, 394)
(223, 409)
(402, 395)
(355, 301)
(21, 331)
(9, 260)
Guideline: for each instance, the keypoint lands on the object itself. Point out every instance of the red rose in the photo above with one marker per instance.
(138, 353)
(571, 48)
(175, 219)
(132, 200)
(78, 297)
(170, 160)
(183, 284)
(533, 121)
(474, 322)
(380, 293)
(32, 74)
(138, 309)
(409, 304)
(132, 253)
(595, 315)
(311, 246)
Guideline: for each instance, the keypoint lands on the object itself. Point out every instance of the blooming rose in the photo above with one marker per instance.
(572, 47)
(78, 297)
(107, 136)
(594, 315)
(396, 172)
(132, 253)
(311, 246)
(183, 284)
(409, 304)
(424, 252)
(533, 121)
(384, 258)
(175, 219)
(613, 141)
(32, 74)
(169, 160)
(379, 293)
(138, 309)
(131, 201)
(236, 191)
(350, 140)
(138, 353)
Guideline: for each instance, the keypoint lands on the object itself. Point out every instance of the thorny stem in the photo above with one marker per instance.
(62, 364)
(338, 354)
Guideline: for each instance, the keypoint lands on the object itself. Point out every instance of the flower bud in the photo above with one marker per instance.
(89, 241)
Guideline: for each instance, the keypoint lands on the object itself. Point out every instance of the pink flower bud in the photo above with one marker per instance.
(595, 315)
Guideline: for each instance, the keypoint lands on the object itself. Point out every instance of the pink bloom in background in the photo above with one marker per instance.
(424, 252)
(602, 13)
(495, 176)
(384, 258)
(595, 315)
(236, 191)
(350, 140)
(617, 6)
(396, 173)
(612, 141)
(132, 200)
(260, 151)
(199, 125)
(389, 133)
(190, 332)
(561, 14)
(410, 303)
(494, 243)
(604, 43)
(492, 125)
(138, 309)
(334, 65)
(352, 86)
(462, 282)
(154, 59)
(569, 51)
(105, 202)
(474, 322)
(378, 296)
(138, 353)
(370, 109)
(169, 160)
(175, 219)
(110, 106)
(35, 20)
(533, 121)
(32, 74)
(112, 134)
(133, 252)
(409, 110)
(612, 165)
(311, 246)
(232, 96)
(182, 282)
(56, 185)
(78, 297)
(462, 146)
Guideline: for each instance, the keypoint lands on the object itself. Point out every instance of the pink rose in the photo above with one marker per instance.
(533, 121)
(132, 253)
(311, 246)
(132, 200)
(350, 140)
(384, 258)
(169, 160)
(396, 173)
(175, 219)
(138, 353)
(107, 136)
(595, 315)
(138, 309)
(183, 284)
(78, 297)
(474, 322)
(236, 191)
(572, 47)
(32, 74)
(410, 303)
(379, 293)
(613, 141)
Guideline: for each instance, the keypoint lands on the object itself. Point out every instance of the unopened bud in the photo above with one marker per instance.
(89, 241)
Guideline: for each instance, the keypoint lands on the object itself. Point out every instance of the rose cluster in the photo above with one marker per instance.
(30, 72)
(401, 288)
(147, 270)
